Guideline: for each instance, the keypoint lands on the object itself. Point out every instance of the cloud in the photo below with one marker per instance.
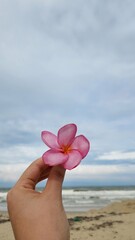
(67, 61)
(20, 153)
(99, 171)
(102, 175)
(117, 155)
(11, 172)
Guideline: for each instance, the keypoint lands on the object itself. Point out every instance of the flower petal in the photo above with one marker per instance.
(81, 144)
(53, 158)
(50, 140)
(67, 134)
(74, 158)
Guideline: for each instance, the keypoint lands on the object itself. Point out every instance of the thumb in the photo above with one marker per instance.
(55, 181)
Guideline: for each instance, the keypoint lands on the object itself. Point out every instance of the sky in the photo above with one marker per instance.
(68, 62)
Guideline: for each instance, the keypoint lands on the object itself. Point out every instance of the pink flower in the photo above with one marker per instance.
(65, 148)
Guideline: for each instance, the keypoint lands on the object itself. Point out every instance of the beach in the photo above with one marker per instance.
(115, 221)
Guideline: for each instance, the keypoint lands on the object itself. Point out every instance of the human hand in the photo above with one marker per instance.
(35, 215)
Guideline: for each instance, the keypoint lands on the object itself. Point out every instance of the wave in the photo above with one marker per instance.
(3, 196)
(83, 199)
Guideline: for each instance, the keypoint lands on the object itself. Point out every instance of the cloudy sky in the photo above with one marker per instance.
(68, 62)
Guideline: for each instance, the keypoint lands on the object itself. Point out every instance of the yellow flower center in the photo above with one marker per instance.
(66, 149)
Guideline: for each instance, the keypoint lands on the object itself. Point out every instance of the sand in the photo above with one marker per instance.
(116, 221)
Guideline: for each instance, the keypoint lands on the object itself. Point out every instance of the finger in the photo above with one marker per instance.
(33, 174)
(45, 174)
(55, 180)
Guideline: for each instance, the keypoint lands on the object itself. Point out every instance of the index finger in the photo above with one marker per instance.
(36, 172)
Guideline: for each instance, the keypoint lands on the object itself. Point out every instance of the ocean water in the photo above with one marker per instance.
(78, 199)
(84, 199)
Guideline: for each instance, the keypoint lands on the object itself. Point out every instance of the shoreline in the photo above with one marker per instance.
(115, 221)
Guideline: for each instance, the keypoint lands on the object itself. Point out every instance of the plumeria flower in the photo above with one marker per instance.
(65, 149)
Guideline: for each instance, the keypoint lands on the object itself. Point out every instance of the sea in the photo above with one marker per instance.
(80, 199)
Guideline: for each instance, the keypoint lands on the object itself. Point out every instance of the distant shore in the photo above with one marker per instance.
(116, 221)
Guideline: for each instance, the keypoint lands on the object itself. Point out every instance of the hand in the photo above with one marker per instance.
(35, 215)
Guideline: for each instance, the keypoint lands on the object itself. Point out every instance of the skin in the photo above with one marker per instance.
(35, 215)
